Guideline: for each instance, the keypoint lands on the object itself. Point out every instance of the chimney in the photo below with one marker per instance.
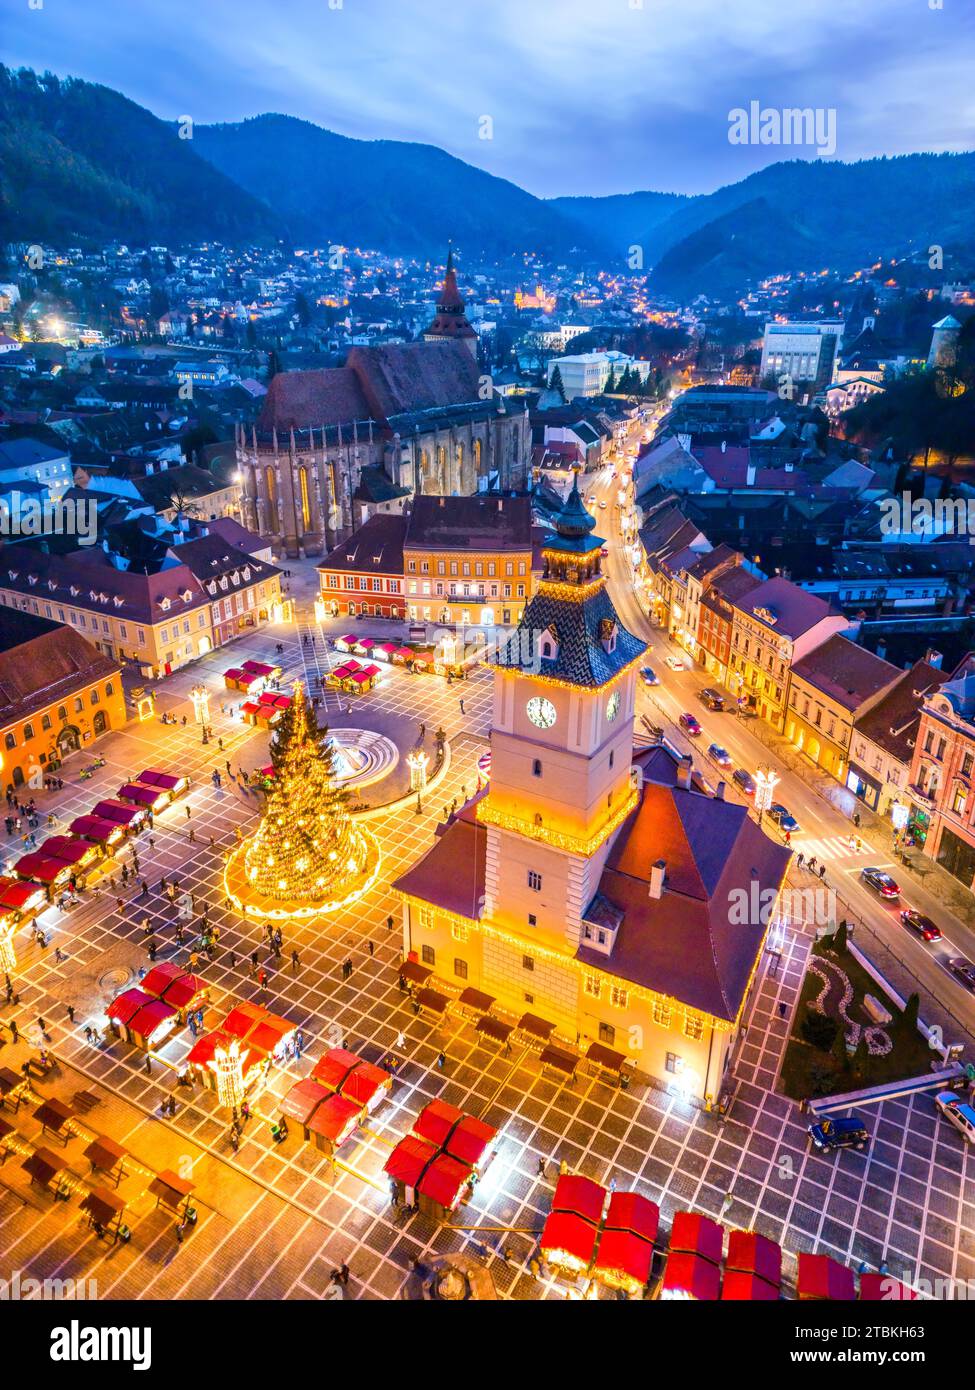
(658, 872)
(684, 769)
(934, 658)
(724, 446)
(790, 464)
(443, 501)
(719, 791)
(750, 475)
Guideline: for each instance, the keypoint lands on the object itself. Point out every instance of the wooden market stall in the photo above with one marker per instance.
(559, 1063)
(47, 1171)
(422, 1176)
(131, 818)
(568, 1242)
(172, 1192)
(169, 782)
(693, 1264)
(254, 1062)
(495, 1030)
(80, 855)
(626, 1245)
(53, 875)
(432, 1003)
(20, 901)
(142, 1019)
(145, 797)
(460, 1136)
(327, 1119)
(104, 1209)
(825, 1279)
(534, 1031)
(13, 1089)
(473, 1004)
(186, 993)
(752, 1268)
(108, 1157)
(55, 1118)
(97, 830)
(346, 1074)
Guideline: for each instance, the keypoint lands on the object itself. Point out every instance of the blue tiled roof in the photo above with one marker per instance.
(575, 623)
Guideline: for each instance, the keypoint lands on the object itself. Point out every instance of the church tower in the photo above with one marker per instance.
(561, 743)
(451, 320)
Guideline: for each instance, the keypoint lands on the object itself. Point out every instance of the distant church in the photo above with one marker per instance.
(414, 417)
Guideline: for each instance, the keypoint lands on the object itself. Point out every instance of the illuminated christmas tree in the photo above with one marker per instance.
(308, 853)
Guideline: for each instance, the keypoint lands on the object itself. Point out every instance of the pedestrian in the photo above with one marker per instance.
(400, 1040)
(782, 1011)
(800, 859)
(148, 1065)
(727, 1202)
(295, 962)
(70, 1009)
(187, 813)
(372, 949)
(441, 1060)
(540, 1167)
(14, 1030)
(462, 707)
(822, 871)
(344, 1275)
(192, 836)
(389, 922)
(263, 979)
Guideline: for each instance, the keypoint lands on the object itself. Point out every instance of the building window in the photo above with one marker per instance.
(460, 968)
(527, 963)
(693, 1027)
(428, 955)
(619, 997)
(607, 1034)
(458, 931)
(45, 721)
(660, 1013)
(10, 741)
(537, 767)
(532, 920)
(674, 1064)
(534, 880)
(426, 919)
(28, 731)
(592, 985)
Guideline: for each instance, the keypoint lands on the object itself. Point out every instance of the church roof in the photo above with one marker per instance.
(307, 400)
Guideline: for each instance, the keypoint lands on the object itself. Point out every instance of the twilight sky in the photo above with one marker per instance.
(585, 96)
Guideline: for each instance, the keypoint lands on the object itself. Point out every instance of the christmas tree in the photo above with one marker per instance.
(307, 849)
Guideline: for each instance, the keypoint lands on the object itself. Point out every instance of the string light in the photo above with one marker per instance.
(557, 839)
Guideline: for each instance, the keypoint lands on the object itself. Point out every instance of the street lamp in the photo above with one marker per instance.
(201, 703)
(765, 783)
(417, 762)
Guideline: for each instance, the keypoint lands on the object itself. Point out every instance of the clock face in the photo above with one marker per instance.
(541, 712)
(613, 706)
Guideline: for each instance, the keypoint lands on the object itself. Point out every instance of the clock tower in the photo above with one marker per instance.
(561, 742)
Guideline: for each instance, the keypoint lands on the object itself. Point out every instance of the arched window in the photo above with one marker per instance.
(272, 498)
(305, 499)
(477, 457)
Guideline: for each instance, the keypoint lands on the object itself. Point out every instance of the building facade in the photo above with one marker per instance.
(831, 687)
(572, 888)
(58, 693)
(942, 770)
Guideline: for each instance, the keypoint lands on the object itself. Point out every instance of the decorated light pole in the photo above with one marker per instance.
(8, 955)
(765, 783)
(201, 704)
(228, 1070)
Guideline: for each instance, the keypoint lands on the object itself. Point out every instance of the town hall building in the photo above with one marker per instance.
(603, 889)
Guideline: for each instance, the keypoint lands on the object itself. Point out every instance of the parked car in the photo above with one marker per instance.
(782, 818)
(848, 1132)
(720, 755)
(689, 724)
(649, 676)
(712, 698)
(917, 922)
(963, 971)
(602, 505)
(676, 663)
(958, 1112)
(604, 551)
(880, 883)
(745, 781)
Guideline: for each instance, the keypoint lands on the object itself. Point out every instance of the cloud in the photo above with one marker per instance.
(586, 96)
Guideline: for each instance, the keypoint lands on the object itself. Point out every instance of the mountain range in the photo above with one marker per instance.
(81, 161)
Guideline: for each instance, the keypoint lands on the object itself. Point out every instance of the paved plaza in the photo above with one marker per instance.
(276, 1219)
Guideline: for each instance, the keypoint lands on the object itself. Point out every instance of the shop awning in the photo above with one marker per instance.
(53, 1114)
(302, 1100)
(752, 1253)
(605, 1057)
(96, 828)
(105, 1153)
(623, 1259)
(567, 1240)
(629, 1211)
(740, 1286)
(335, 1119)
(495, 1029)
(102, 1205)
(536, 1027)
(690, 1276)
(43, 1166)
(579, 1194)
(433, 1000)
(824, 1278)
(409, 1159)
(696, 1234)
(561, 1061)
(476, 1000)
(444, 1181)
(127, 1004)
(414, 972)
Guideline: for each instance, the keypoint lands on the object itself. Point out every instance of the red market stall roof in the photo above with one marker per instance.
(741, 1286)
(126, 1005)
(349, 640)
(360, 677)
(475, 999)
(690, 1276)
(494, 1028)
(165, 781)
(242, 1019)
(259, 1027)
(578, 1194)
(881, 1288)
(387, 648)
(173, 984)
(250, 708)
(160, 977)
(751, 1253)
(335, 1119)
(436, 1121)
(407, 1162)
(470, 1140)
(278, 702)
(260, 668)
(43, 870)
(119, 814)
(96, 828)
(247, 679)
(151, 1017)
(444, 1181)
(20, 897)
(141, 794)
(67, 850)
(348, 1075)
(302, 1100)
(234, 674)
(628, 1211)
(405, 653)
(621, 1253)
(822, 1277)
(566, 1234)
(697, 1234)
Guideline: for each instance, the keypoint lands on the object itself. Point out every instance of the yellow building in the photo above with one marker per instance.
(57, 694)
(830, 688)
(468, 560)
(606, 893)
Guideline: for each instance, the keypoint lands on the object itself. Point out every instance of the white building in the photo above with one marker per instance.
(801, 351)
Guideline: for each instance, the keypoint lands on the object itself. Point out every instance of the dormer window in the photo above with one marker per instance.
(187, 595)
(164, 604)
(549, 645)
(223, 581)
(607, 634)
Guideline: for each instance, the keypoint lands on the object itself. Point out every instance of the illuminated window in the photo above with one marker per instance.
(528, 963)
(458, 931)
(619, 997)
(534, 880)
(693, 1027)
(592, 985)
(660, 1013)
(426, 919)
